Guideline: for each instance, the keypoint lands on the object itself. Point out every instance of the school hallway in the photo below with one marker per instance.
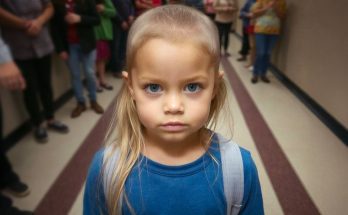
(302, 164)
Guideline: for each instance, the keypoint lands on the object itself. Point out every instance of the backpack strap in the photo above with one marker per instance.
(233, 174)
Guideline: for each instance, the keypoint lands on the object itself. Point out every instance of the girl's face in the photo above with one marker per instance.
(172, 85)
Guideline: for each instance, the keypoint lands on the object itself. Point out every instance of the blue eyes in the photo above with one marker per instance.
(192, 88)
(156, 88)
(153, 88)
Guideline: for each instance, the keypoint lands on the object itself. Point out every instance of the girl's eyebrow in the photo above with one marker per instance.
(197, 78)
(151, 78)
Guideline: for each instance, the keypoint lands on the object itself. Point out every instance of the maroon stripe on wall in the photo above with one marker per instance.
(290, 191)
(64, 191)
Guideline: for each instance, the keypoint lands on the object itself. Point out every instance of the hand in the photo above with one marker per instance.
(26, 24)
(72, 18)
(100, 8)
(10, 77)
(130, 19)
(64, 55)
(34, 27)
(124, 25)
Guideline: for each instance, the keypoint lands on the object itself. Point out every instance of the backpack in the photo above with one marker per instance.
(232, 173)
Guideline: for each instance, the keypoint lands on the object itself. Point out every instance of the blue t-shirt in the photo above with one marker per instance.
(195, 188)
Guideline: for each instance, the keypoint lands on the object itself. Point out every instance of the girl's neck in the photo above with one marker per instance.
(175, 153)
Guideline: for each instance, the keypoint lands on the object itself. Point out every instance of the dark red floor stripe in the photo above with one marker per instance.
(64, 191)
(290, 191)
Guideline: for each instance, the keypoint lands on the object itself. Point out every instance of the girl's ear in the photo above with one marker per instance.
(217, 83)
(221, 75)
(127, 80)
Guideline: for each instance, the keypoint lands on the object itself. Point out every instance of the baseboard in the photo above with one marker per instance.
(337, 128)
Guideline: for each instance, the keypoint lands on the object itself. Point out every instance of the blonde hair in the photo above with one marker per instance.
(174, 23)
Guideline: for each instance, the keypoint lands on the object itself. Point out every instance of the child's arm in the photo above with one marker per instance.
(94, 202)
(252, 200)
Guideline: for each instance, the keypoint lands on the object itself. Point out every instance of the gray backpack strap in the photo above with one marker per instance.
(233, 174)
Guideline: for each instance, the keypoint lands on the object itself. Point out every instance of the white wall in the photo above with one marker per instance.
(313, 52)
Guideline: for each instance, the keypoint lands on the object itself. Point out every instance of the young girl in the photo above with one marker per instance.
(165, 159)
(103, 34)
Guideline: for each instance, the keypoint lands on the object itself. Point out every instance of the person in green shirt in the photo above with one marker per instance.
(104, 34)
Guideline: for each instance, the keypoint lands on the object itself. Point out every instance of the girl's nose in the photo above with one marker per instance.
(173, 104)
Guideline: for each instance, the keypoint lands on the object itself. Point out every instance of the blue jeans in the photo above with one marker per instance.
(78, 59)
(264, 46)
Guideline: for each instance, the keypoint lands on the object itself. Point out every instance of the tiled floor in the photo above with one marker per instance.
(318, 159)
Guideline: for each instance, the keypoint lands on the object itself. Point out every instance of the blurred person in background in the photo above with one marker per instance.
(72, 30)
(121, 24)
(104, 34)
(268, 15)
(12, 79)
(25, 30)
(225, 13)
(245, 16)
